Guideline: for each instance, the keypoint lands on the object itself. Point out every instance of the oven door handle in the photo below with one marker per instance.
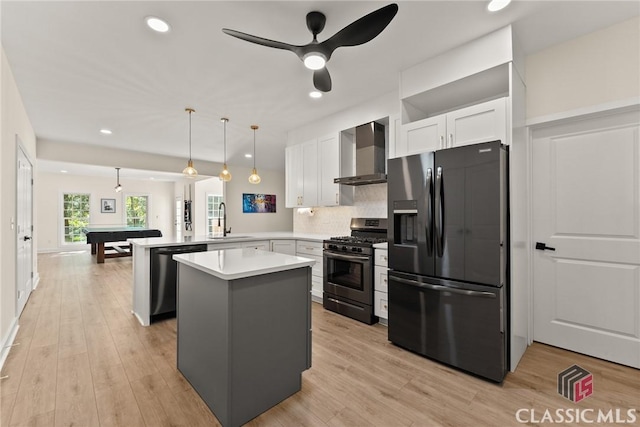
(440, 288)
(346, 257)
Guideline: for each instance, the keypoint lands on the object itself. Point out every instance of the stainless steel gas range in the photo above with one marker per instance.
(348, 269)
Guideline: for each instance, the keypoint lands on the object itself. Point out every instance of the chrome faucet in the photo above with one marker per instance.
(223, 208)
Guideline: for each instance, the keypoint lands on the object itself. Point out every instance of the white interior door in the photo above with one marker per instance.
(24, 215)
(586, 197)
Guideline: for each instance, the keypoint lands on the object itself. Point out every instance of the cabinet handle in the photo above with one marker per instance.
(450, 140)
(442, 141)
(384, 257)
(385, 280)
(337, 199)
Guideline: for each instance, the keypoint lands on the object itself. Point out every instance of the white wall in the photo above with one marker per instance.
(591, 70)
(272, 183)
(377, 108)
(13, 121)
(52, 186)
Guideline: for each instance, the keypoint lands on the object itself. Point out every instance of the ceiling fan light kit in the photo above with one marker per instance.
(316, 54)
(314, 61)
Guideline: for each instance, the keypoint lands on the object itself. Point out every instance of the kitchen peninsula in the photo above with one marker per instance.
(244, 328)
(287, 242)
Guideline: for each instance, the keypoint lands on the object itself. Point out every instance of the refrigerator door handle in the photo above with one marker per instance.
(440, 288)
(439, 223)
(429, 225)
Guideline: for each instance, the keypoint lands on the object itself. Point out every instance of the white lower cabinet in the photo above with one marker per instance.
(380, 279)
(287, 247)
(313, 250)
(263, 245)
(380, 303)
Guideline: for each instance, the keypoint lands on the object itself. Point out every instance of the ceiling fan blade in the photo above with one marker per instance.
(262, 41)
(322, 80)
(363, 30)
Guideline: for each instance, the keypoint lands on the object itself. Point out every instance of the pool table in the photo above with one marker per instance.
(97, 236)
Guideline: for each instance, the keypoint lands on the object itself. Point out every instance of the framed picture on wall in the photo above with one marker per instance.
(108, 205)
(258, 203)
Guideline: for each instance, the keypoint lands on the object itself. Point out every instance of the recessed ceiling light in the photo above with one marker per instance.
(152, 178)
(157, 24)
(63, 171)
(315, 94)
(105, 131)
(248, 156)
(496, 5)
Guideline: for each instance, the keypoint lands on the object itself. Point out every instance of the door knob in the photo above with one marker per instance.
(543, 247)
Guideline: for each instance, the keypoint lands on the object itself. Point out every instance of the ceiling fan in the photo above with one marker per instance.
(316, 54)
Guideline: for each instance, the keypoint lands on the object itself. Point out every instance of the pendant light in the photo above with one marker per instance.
(118, 186)
(225, 175)
(190, 171)
(254, 178)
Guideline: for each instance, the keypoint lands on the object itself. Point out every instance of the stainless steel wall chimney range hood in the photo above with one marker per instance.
(370, 156)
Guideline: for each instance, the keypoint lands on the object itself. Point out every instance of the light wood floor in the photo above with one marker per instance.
(83, 360)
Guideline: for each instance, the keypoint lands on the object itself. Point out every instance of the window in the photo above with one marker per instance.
(137, 214)
(213, 212)
(75, 216)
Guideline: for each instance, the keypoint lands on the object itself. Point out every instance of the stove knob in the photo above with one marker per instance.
(344, 248)
(354, 249)
(359, 249)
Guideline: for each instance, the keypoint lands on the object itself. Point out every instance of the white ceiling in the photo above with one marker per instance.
(85, 65)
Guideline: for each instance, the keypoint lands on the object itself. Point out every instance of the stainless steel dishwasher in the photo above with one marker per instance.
(164, 271)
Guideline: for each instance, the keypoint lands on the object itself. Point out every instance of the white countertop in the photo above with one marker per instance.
(230, 264)
(151, 242)
(380, 245)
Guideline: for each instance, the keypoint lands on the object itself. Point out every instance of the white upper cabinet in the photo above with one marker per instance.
(310, 173)
(329, 162)
(471, 125)
(422, 136)
(293, 176)
(478, 123)
(311, 168)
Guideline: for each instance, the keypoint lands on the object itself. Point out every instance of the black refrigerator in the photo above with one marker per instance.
(448, 256)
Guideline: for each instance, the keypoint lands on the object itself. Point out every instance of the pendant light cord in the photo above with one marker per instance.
(190, 134)
(254, 146)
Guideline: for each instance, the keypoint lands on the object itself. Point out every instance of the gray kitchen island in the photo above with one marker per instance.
(244, 328)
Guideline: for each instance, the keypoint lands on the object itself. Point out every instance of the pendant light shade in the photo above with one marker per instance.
(190, 171)
(118, 187)
(254, 178)
(225, 175)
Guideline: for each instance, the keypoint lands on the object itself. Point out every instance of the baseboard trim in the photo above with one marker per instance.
(36, 281)
(7, 342)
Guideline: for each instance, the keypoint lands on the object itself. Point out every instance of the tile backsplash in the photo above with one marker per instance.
(370, 202)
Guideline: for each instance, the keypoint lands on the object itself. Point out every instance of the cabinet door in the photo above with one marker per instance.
(287, 247)
(422, 136)
(329, 168)
(310, 173)
(293, 176)
(263, 245)
(479, 123)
